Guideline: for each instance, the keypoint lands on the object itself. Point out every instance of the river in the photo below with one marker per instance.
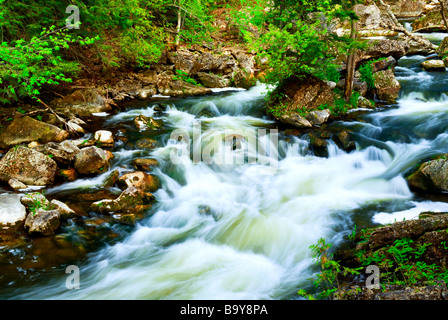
(238, 230)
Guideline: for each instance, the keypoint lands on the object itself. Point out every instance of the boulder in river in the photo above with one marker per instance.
(92, 160)
(104, 138)
(139, 179)
(145, 164)
(431, 176)
(28, 166)
(307, 94)
(131, 200)
(386, 85)
(433, 65)
(43, 222)
(24, 129)
(12, 214)
(63, 153)
(146, 143)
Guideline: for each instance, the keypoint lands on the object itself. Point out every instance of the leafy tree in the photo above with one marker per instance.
(25, 66)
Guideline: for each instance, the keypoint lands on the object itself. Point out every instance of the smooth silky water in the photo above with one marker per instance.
(243, 230)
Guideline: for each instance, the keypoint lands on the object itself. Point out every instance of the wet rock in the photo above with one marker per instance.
(145, 164)
(82, 103)
(386, 235)
(28, 166)
(147, 123)
(104, 138)
(65, 211)
(92, 160)
(16, 184)
(318, 145)
(345, 141)
(431, 176)
(112, 179)
(146, 92)
(128, 218)
(433, 65)
(43, 222)
(318, 117)
(12, 214)
(63, 153)
(386, 85)
(211, 80)
(295, 119)
(139, 179)
(442, 50)
(24, 129)
(146, 143)
(131, 200)
(68, 175)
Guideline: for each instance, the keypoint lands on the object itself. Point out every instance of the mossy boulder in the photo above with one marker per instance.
(131, 200)
(24, 129)
(431, 176)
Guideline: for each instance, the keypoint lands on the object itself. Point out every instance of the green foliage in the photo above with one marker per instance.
(327, 280)
(28, 65)
(400, 264)
(367, 75)
(38, 203)
(182, 75)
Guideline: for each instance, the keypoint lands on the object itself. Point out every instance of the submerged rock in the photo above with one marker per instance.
(28, 166)
(144, 164)
(146, 143)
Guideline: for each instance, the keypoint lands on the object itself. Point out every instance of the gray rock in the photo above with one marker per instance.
(43, 222)
(28, 166)
(12, 212)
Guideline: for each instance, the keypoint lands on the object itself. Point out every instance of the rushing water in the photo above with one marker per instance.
(243, 230)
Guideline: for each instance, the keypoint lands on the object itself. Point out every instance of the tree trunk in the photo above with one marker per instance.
(351, 63)
(179, 24)
(442, 11)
